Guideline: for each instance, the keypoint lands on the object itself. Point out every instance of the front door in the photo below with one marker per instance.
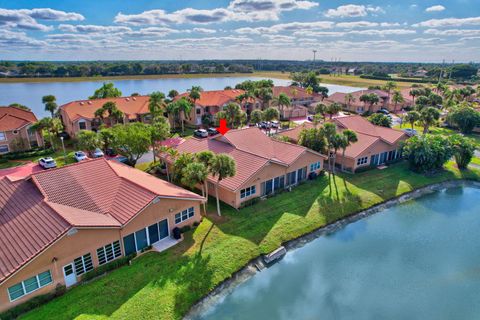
(163, 227)
(69, 275)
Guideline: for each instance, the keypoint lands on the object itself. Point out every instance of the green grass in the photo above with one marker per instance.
(165, 285)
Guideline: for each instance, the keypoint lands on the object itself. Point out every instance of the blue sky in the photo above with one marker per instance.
(424, 31)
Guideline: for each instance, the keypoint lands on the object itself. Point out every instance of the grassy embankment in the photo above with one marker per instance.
(165, 285)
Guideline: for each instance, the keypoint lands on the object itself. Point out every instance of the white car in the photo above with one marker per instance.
(410, 132)
(80, 155)
(47, 163)
(97, 153)
(200, 133)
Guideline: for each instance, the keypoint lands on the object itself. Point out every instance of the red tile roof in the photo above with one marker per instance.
(215, 97)
(250, 148)
(27, 225)
(97, 193)
(130, 106)
(12, 118)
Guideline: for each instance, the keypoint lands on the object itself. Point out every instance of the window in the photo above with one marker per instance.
(29, 285)
(247, 192)
(109, 252)
(82, 125)
(279, 183)
(184, 215)
(4, 149)
(83, 264)
(129, 244)
(362, 161)
(291, 178)
(3, 136)
(315, 166)
(301, 174)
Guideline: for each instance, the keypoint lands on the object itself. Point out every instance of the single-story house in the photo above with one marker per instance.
(59, 224)
(211, 102)
(375, 146)
(80, 115)
(16, 131)
(264, 166)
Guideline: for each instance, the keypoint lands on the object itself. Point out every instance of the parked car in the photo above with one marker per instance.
(110, 152)
(410, 132)
(212, 131)
(80, 155)
(275, 124)
(384, 111)
(310, 118)
(47, 163)
(97, 153)
(265, 125)
(200, 133)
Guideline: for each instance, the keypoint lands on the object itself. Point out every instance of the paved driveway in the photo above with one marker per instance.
(20, 172)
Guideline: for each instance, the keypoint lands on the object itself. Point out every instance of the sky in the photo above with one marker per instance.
(376, 30)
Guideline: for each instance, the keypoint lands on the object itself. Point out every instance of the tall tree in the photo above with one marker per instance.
(205, 157)
(333, 109)
(349, 98)
(184, 107)
(53, 126)
(389, 86)
(256, 116)
(329, 130)
(50, 104)
(132, 140)
(465, 118)
(271, 114)
(349, 137)
(412, 117)
(281, 102)
(107, 90)
(463, 150)
(223, 166)
(172, 94)
(428, 117)
(381, 120)
(159, 131)
(397, 98)
(88, 140)
(193, 174)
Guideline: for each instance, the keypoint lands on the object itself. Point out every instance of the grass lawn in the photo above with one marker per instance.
(165, 285)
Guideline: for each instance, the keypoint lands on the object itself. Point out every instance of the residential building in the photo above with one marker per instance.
(300, 99)
(16, 131)
(375, 146)
(56, 225)
(264, 166)
(80, 115)
(211, 102)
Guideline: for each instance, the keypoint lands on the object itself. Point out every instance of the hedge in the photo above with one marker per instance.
(33, 303)
(27, 154)
(115, 264)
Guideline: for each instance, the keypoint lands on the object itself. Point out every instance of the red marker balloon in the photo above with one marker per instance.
(223, 127)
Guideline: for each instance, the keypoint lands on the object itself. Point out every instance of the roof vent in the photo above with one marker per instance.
(134, 99)
(82, 103)
(89, 102)
(128, 99)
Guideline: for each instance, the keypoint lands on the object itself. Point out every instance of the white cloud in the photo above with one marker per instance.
(17, 40)
(382, 33)
(51, 14)
(356, 24)
(204, 30)
(436, 8)
(84, 28)
(287, 27)
(453, 32)
(351, 11)
(237, 10)
(448, 22)
(27, 18)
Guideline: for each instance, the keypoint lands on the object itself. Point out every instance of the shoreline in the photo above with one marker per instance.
(257, 264)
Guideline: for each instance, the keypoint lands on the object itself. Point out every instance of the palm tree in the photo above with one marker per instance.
(194, 93)
(244, 98)
(193, 174)
(52, 125)
(349, 98)
(414, 93)
(328, 131)
(173, 113)
(233, 113)
(389, 86)
(50, 104)
(172, 94)
(349, 137)
(184, 107)
(321, 109)
(156, 103)
(265, 94)
(205, 157)
(222, 166)
(337, 141)
(333, 109)
(281, 102)
(428, 117)
(412, 117)
(397, 98)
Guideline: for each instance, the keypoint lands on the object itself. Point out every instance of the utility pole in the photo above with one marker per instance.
(314, 55)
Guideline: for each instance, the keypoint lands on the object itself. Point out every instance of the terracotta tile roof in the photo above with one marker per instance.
(130, 106)
(12, 118)
(362, 125)
(27, 225)
(294, 134)
(293, 92)
(215, 97)
(250, 148)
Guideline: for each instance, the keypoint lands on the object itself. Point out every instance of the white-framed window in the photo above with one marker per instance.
(30, 285)
(4, 149)
(247, 192)
(109, 252)
(83, 264)
(362, 161)
(3, 137)
(315, 166)
(184, 215)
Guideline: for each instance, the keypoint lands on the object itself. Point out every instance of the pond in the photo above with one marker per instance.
(31, 93)
(418, 260)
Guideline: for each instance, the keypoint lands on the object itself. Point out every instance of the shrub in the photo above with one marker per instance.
(27, 154)
(33, 303)
(185, 229)
(427, 153)
(196, 224)
(115, 264)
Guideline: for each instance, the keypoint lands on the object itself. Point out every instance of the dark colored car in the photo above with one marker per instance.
(384, 111)
(212, 131)
(110, 152)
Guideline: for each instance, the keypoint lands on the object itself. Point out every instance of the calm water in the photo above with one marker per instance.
(30, 94)
(419, 260)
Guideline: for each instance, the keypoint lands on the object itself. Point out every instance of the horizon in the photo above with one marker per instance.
(277, 30)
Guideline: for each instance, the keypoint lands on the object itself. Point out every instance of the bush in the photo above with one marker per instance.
(115, 264)
(185, 229)
(427, 153)
(27, 154)
(33, 303)
(196, 224)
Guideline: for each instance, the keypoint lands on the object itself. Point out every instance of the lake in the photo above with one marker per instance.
(31, 93)
(418, 260)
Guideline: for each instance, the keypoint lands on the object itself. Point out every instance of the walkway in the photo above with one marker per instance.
(164, 244)
(20, 172)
